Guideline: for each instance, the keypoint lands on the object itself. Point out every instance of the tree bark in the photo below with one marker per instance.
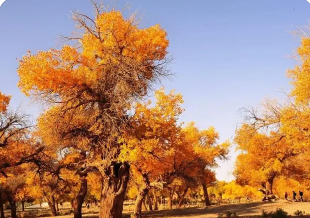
(114, 187)
(23, 206)
(155, 199)
(170, 202)
(145, 207)
(269, 185)
(12, 205)
(1, 205)
(57, 206)
(149, 202)
(52, 204)
(77, 202)
(141, 197)
(205, 194)
(181, 197)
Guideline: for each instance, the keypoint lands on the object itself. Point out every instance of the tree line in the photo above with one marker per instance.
(98, 135)
(99, 139)
(274, 138)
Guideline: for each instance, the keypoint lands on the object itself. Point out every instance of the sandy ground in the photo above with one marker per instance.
(243, 209)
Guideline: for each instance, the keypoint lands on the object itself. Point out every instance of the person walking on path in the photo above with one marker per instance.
(301, 198)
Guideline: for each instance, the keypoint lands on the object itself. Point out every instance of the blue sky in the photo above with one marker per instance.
(227, 54)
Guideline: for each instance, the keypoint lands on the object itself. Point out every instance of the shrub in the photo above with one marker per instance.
(231, 214)
(279, 213)
(299, 213)
(228, 214)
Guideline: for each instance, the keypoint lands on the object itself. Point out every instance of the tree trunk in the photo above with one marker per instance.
(1, 205)
(23, 206)
(52, 204)
(139, 201)
(171, 193)
(170, 202)
(205, 194)
(269, 185)
(144, 204)
(114, 187)
(77, 202)
(181, 197)
(12, 205)
(149, 202)
(155, 200)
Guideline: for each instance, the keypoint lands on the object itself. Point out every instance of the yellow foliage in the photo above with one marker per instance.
(263, 157)
(132, 192)
(300, 75)
(150, 146)
(118, 42)
(4, 101)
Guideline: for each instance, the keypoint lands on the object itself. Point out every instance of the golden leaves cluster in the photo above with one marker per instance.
(300, 75)
(4, 102)
(113, 42)
(150, 145)
(159, 145)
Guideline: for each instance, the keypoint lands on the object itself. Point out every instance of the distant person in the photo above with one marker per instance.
(294, 196)
(285, 196)
(301, 194)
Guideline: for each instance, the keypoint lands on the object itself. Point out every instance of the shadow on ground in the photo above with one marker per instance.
(252, 209)
(248, 208)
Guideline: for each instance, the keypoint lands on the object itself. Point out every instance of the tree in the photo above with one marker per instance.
(113, 64)
(68, 154)
(207, 178)
(205, 150)
(148, 145)
(17, 148)
(195, 151)
(218, 189)
(14, 183)
(263, 157)
(160, 151)
(281, 130)
(16, 144)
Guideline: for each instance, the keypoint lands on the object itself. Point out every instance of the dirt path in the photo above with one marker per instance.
(245, 209)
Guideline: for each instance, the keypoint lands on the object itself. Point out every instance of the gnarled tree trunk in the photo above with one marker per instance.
(114, 187)
(205, 194)
(141, 197)
(77, 202)
(1, 205)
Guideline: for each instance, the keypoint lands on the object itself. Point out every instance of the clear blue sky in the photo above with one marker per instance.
(227, 54)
